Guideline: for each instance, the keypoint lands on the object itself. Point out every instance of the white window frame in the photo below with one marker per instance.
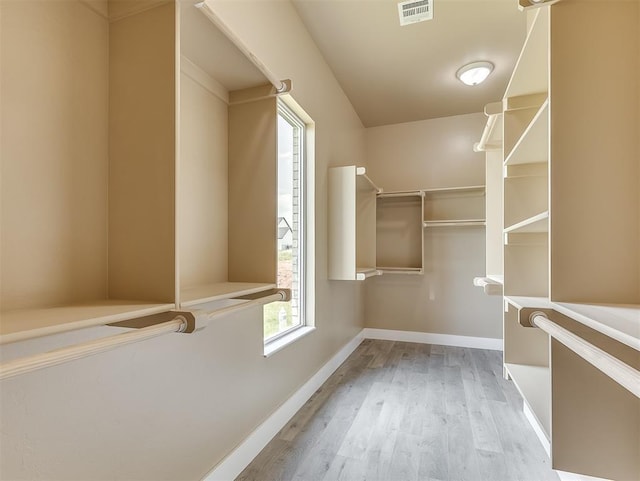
(293, 113)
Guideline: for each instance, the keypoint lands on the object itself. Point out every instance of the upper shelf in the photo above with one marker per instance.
(531, 73)
(22, 324)
(533, 145)
(617, 321)
(620, 322)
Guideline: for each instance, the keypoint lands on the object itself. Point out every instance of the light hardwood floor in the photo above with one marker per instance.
(397, 411)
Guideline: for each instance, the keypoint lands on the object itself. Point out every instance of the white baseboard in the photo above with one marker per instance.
(231, 466)
(528, 413)
(564, 476)
(430, 338)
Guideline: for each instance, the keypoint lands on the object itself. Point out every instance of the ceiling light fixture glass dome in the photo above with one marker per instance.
(474, 73)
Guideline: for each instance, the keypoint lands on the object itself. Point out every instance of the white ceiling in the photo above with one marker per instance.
(395, 74)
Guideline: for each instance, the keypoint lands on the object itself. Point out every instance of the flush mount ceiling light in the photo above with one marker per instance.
(474, 73)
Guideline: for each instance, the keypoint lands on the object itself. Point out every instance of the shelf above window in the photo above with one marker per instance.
(22, 324)
(218, 291)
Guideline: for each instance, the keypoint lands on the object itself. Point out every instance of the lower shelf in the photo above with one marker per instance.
(401, 270)
(534, 385)
(220, 290)
(22, 324)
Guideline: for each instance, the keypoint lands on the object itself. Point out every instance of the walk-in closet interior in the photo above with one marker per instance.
(250, 239)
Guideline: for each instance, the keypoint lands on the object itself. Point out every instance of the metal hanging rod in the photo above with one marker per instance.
(279, 85)
(186, 321)
(620, 372)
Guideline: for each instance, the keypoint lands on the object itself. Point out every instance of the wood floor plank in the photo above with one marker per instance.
(398, 411)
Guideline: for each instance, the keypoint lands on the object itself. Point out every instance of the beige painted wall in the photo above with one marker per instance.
(424, 155)
(173, 407)
(203, 185)
(54, 154)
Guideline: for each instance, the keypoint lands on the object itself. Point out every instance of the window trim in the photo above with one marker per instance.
(275, 342)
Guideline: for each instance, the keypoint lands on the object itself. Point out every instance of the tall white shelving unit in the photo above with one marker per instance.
(571, 215)
(142, 215)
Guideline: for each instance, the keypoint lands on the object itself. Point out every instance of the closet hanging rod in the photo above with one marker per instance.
(620, 372)
(254, 301)
(279, 85)
(59, 356)
(179, 323)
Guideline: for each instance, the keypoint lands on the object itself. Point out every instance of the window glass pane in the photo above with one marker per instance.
(280, 317)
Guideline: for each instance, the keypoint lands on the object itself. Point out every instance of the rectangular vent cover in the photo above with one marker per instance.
(415, 11)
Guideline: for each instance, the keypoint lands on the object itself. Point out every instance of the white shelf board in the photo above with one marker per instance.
(401, 193)
(463, 188)
(401, 270)
(218, 291)
(22, 324)
(454, 223)
(528, 77)
(533, 144)
(617, 321)
(499, 278)
(534, 385)
(520, 302)
(536, 223)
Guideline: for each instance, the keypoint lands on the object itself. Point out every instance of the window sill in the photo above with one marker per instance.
(280, 343)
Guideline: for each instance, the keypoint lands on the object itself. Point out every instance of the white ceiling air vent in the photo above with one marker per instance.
(415, 11)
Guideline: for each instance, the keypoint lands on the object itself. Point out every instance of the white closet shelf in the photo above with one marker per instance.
(22, 324)
(401, 270)
(401, 193)
(221, 290)
(536, 223)
(617, 321)
(464, 188)
(532, 146)
(364, 183)
(534, 384)
(520, 302)
(528, 77)
(454, 223)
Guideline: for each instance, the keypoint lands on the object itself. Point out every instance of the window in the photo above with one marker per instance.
(281, 318)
